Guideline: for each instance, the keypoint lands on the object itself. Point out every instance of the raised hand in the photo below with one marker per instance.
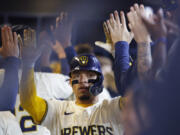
(107, 33)
(156, 25)
(58, 48)
(30, 52)
(141, 34)
(63, 29)
(9, 43)
(117, 28)
(142, 37)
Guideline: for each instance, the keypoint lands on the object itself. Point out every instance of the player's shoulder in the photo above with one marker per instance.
(60, 103)
(8, 118)
(6, 114)
(110, 102)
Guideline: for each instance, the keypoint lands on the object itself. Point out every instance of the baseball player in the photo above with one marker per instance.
(85, 115)
(10, 52)
(47, 88)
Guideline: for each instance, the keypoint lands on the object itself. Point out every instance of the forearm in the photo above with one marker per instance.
(64, 66)
(9, 87)
(70, 53)
(45, 60)
(144, 60)
(35, 105)
(121, 65)
(159, 58)
(171, 60)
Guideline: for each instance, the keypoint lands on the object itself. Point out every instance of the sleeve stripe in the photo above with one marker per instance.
(45, 114)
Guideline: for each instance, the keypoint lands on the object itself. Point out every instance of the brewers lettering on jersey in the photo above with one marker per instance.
(69, 118)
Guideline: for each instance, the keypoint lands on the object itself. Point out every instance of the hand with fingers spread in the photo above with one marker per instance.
(28, 95)
(117, 28)
(157, 28)
(30, 53)
(142, 37)
(44, 39)
(9, 43)
(156, 25)
(107, 33)
(63, 29)
(141, 34)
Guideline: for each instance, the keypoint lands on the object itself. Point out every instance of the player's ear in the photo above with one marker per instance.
(70, 82)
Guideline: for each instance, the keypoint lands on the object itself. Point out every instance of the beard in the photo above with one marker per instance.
(84, 98)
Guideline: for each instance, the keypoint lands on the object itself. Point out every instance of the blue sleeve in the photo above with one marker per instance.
(65, 62)
(121, 65)
(70, 53)
(65, 69)
(46, 69)
(10, 84)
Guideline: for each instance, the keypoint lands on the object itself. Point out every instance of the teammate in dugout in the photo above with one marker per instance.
(85, 115)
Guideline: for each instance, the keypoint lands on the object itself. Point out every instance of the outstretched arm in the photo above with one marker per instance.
(142, 38)
(11, 64)
(121, 38)
(157, 28)
(62, 34)
(35, 105)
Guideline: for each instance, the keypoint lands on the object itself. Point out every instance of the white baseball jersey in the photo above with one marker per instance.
(8, 124)
(52, 85)
(26, 122)
(67, 118)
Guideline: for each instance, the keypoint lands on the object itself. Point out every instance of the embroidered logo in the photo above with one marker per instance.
(83, 60)
(68, 113)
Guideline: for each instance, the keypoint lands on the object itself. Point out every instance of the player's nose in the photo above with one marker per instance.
(83, 78)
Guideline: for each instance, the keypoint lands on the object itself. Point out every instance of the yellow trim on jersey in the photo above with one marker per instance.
(34, 105)
(122, 102)
(84, 105)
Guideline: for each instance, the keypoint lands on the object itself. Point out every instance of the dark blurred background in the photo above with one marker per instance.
(88, 15)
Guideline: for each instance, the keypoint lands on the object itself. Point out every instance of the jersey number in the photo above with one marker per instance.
(23, 121)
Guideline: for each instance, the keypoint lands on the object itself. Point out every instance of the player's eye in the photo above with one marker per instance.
(92, 75)
(75, 76)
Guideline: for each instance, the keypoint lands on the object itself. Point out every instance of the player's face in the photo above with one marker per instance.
(81, 89)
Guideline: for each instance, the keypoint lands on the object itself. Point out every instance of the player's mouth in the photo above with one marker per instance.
(83, 88)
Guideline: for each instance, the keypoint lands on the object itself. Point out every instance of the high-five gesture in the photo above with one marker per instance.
(63, 29)
(9, 43)
(136, 24)
(107, 33)
(118, 29)
(142, 37)
(156, 25)
(30, 52)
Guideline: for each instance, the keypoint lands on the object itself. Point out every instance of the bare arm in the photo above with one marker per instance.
(144, 60)
(142, 37)
(157, 28)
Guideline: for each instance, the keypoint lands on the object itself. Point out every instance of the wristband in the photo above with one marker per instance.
(161, 40)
